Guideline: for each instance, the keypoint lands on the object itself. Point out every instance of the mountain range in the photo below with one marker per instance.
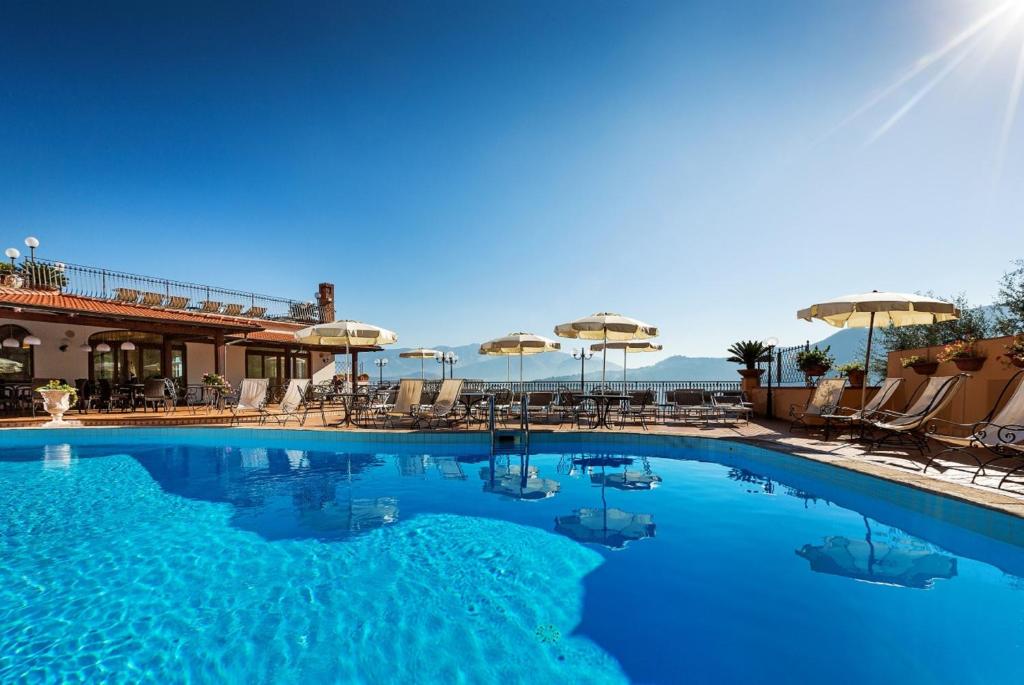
(846, 345)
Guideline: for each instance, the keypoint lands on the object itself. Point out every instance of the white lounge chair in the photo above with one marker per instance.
(823, 401)
(252, 396)
(409, 393)
(292, 402)
(909, 427)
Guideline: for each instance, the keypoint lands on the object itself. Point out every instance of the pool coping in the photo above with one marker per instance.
(978, 495)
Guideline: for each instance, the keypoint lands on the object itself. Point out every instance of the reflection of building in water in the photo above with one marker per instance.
(411, 464)
(449, 468)
(57, 456)
(610, 526)
(904, 562)
(518, 481)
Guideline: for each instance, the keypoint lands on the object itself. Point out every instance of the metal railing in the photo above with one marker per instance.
(659, 388)
(74, 279)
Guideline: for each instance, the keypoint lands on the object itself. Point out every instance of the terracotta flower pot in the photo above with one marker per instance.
(819, 370)
(1017, 361)
(925, 368)
(751, 373)
(969, 363)
(856, 378)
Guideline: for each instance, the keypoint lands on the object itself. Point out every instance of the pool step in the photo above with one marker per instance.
(510, 442)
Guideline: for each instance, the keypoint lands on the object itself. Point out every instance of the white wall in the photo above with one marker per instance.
(199, 359)
(50, 362)
(321, 366)
(235, 370)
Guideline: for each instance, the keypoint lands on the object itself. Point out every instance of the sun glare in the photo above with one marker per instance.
(979, 39)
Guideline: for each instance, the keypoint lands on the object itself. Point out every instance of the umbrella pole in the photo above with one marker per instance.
(604, 358)
(421, 368)
(508, 369)
(867, 367)
(520, 370)
(623, 369)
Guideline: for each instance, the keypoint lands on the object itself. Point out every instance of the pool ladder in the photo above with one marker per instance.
(509, 441)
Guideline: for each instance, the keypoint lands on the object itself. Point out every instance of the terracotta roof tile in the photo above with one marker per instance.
(61, 302)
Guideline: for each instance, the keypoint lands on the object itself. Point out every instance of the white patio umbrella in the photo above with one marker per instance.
(606, 326)
(519, 344)
(420, 353)
(348, 333)
(627, 347)
(868, 310)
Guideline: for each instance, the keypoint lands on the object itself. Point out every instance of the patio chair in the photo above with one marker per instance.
(567, 406)
(252, 396)
(848, 417)
(731, 405)
(130, 295)
(823, 400)
(152, 299)
(639, 407)
(909, 427)
(209, 306)
(293, 400)
(255, 312)
(232, 310)
(687, 403)
(999, 436)
(176, 302)
(409, 393)
(155, 391)
(443, 408)
(539, 403)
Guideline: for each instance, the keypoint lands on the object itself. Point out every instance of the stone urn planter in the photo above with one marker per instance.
(12, 281)
(925, 368)
(56, 403)
(969, 363)
(856, 378)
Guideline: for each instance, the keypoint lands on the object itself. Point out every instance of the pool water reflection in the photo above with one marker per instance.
(615, 566)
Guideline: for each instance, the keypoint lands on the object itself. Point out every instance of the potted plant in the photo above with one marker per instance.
(855, 372)
(1015, 351)
(216, 381)
(815, 361)
(749, 353)
(9, 276)
(57, 399)
(919, 364)
(962, 353)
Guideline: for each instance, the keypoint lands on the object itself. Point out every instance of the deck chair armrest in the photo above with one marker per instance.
(1007, 435)
(938, 426)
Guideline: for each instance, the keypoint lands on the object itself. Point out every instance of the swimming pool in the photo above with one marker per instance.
(257, 556)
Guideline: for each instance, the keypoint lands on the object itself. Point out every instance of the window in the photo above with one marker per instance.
(16, 363)
(143, 363)
(270, 364)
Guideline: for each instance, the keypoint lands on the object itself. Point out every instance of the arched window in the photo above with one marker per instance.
(16, 363)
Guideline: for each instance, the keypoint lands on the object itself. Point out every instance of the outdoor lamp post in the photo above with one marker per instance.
(12, 253)
(439, 358)
(380, 364)
(32, 243)
(451, 359)
(582, 354)
(771, 343)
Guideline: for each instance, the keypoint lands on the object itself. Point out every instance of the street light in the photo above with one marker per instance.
(380, 364)
(771, 344)
(12, 253)
(447, 359)
(582, 354)
(32, 243)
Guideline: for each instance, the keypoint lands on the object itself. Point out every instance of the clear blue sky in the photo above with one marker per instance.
(465, 169)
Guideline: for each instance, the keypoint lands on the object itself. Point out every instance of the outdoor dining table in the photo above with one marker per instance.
(348, 400)
(603, 405)
(469, 398)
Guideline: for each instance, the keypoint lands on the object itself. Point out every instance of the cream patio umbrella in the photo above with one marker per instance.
(519, 344)
(420, 353)
(606, 326)
(346, 333)
(868, 310)
(627, 347)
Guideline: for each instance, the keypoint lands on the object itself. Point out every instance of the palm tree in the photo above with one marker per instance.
(749, 353)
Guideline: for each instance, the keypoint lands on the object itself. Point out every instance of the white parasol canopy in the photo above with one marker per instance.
(606, 326)
(627, 347)
(519, 344)
(867, 310)
(420, 353)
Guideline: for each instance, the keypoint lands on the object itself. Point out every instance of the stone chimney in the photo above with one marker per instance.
(325, 298)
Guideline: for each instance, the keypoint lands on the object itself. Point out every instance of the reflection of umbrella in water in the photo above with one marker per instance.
(627, 480)
(878, 562)
(611, 527)
(518, 482)
(353, 515)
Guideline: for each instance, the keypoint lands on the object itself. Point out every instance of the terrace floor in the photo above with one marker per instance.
(892, 464)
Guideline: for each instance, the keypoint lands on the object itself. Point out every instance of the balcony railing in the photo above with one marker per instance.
(659, 388)
(118, 286)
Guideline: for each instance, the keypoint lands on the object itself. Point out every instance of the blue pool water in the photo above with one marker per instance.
(220, 556)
